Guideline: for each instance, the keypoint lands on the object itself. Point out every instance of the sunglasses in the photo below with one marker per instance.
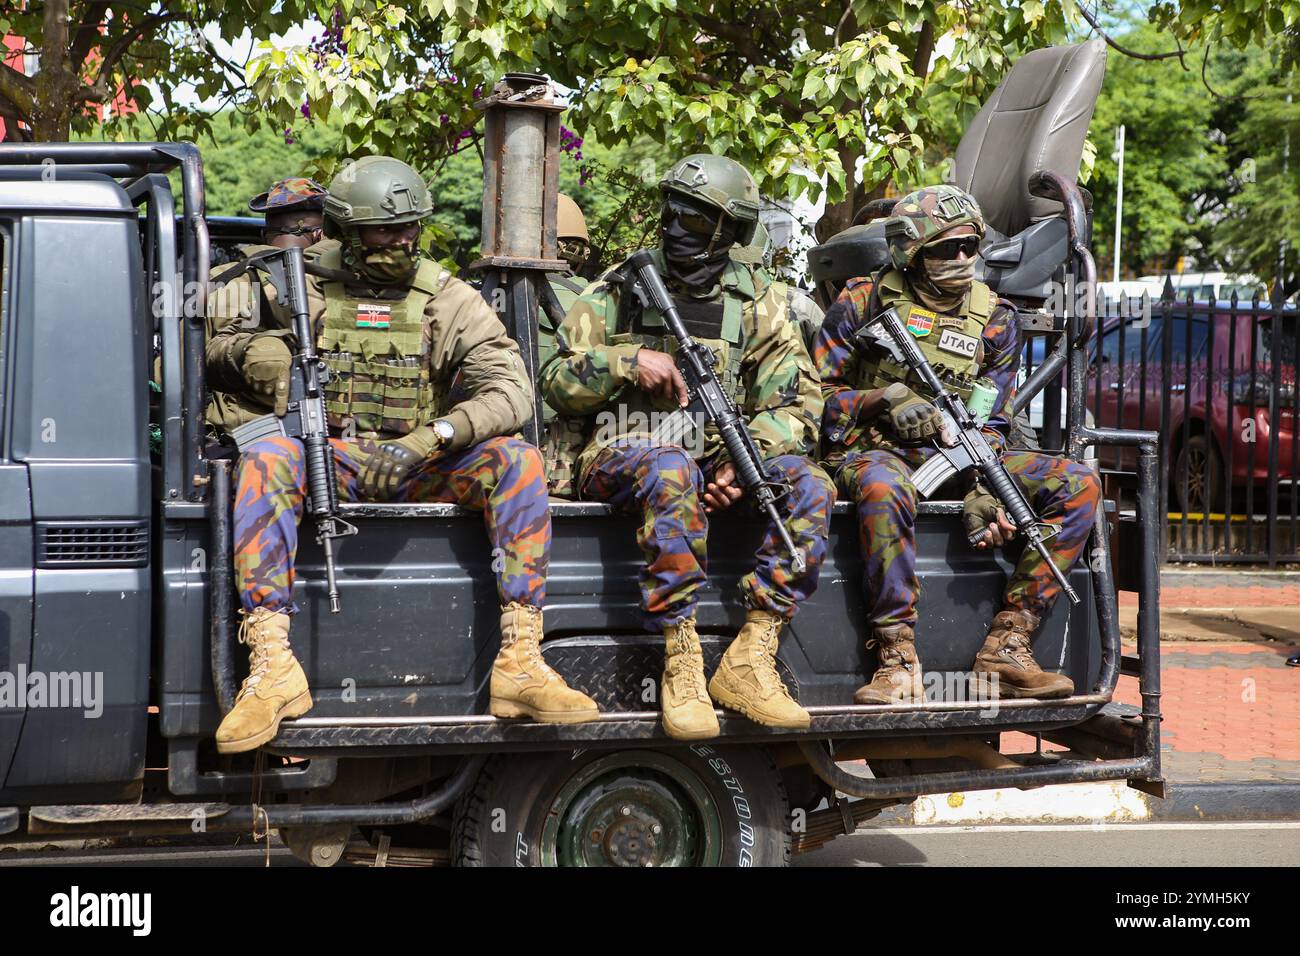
(692, 220)
(951, 248)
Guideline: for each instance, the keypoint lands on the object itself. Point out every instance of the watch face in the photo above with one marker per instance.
(444, 429)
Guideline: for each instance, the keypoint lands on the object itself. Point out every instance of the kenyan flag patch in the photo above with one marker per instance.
(920, 322)
(372, 315)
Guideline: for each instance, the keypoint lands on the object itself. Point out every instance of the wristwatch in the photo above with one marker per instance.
(446, 432)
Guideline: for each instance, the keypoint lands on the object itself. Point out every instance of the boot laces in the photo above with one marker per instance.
(260, 654)
(533, 649)
(766, 663)
(685, 668)
(1017, 648)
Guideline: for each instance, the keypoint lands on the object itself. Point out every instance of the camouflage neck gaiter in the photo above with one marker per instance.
(387, 266)
(942, 284)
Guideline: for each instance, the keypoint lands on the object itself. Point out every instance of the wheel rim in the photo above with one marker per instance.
(1193, 477)
(637, 808)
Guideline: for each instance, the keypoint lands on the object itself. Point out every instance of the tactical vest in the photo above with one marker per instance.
(716, 323)
(566, 289)
(951, 343)
(376, 351)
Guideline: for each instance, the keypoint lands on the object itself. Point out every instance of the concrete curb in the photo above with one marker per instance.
(1109, 802)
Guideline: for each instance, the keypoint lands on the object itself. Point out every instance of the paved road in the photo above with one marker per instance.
(1134, 844)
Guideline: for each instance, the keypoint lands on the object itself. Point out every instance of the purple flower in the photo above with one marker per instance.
(288, 136)
(443, 119)
(305, 109)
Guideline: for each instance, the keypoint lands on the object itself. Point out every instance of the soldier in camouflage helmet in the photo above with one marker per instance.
(616, 366)
(395, 328)
(239, 310)
(879, 425)
(294, 212)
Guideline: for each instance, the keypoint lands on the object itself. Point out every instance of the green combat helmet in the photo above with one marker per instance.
(375, 190)
(921, 216)
(719, 183)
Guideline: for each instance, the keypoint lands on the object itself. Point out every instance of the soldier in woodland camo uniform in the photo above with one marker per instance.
(878, 423)
(395, 329)
(616, 365)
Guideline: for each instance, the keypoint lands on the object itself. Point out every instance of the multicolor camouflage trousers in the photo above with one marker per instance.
(1062, 492)
(501, 477)
(664, 484)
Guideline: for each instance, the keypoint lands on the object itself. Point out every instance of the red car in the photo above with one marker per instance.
(1218, 410)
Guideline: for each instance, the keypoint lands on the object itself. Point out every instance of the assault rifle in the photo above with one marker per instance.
(970, 448)
(696, 361)
(304, 418)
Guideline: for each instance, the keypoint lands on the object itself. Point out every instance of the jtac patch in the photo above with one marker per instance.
(958, 343)
(920, 322)
(373, 315)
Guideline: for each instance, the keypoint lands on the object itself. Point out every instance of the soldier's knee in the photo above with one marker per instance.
(884, 485)
(273, 459)
(515, 455)
(1087, 486)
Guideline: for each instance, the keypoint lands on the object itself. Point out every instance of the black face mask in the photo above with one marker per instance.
(691, 259)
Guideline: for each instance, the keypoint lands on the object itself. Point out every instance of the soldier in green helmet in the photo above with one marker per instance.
(616, 368)
(395, 329)
(880, 424)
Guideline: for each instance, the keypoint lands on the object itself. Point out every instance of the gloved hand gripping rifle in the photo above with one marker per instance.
(305, 417)
(970, 450)
(696, 361)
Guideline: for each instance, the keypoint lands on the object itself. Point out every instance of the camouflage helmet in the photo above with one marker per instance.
(377, 190)
(569, 221)
(923, 216)
(296, 194)
(720, 183)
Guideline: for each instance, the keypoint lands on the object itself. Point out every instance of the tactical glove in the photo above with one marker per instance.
(979, 510)
(910, 415)
(266, 365)
(392, 461)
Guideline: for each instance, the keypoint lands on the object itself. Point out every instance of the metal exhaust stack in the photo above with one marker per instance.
(520, 182)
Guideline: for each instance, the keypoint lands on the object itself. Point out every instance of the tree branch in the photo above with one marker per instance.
(87, 32)
(1092, 22)
(17, 90)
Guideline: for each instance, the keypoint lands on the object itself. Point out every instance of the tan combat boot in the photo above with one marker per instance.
(274, 689)
(898, 673)
(687, 711)
(746, 681)
(1007, 654)
(523, 684)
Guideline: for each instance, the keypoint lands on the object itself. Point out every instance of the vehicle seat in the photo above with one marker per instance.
(1035, 120)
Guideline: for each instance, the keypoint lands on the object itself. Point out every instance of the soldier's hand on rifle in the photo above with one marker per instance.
(658, 374)
(912, 417)
(266, 364)
(386, 469)
(982, 514)
(723, 491)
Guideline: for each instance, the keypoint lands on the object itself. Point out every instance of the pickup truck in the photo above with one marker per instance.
(118, 654)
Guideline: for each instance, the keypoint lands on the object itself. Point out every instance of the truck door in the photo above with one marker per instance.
(79, 422)
(15, 543)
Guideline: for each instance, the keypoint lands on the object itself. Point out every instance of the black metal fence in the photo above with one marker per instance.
(1218, 379)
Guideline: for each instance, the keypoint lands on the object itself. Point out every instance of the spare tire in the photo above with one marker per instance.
(672, 806)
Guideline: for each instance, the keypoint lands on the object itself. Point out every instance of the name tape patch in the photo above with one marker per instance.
(958, 343)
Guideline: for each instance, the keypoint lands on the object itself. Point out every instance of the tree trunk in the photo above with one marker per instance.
(57, 83)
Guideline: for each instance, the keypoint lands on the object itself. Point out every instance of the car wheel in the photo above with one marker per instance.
(687, 806)
(1198, 477)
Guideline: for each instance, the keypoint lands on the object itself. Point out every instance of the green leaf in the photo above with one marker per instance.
(697, 112)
